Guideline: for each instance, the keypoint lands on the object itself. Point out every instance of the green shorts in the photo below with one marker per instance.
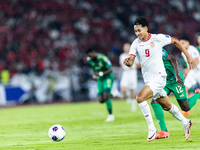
(104, 85)
(179, 92)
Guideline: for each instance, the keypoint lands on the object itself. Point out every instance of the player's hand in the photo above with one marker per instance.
(191, 63)
(126, 62)
(96, 74)
(179, 80)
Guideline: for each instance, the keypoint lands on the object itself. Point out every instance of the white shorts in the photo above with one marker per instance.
(129, 79)
(192, 78)
(157, 86)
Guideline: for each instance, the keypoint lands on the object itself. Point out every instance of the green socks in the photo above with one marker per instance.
(193, 100)
(159, 114)
(109, 106)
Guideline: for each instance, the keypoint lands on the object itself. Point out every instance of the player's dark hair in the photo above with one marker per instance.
(141, 21)
(89, 50)
(185, 37)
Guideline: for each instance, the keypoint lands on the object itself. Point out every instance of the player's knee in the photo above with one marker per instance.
(100, 99)
(185, 108)
(140, 99)
(106, 96)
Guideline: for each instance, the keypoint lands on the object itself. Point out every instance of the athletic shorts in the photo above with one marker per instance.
(129, 79)
(157, 86)
(104, 85)
(179, 91)
(192, 78)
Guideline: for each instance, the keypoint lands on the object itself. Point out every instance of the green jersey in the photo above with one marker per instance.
(171, 76)
(101, 64)
(198, 48)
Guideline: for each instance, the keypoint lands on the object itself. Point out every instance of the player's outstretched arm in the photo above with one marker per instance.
(174, 63)
(190, 61)
(129, 61)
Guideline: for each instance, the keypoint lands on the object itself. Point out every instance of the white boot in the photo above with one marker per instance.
(110, 118)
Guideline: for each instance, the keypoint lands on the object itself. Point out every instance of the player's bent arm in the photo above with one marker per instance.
(101, 73)
(129, 61)
(190, 61)
(174, 63)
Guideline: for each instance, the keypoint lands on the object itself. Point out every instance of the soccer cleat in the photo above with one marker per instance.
(187, 129)
(110, 118)
(162, 134)
(197, 91)
(151, 135)
(185, 113)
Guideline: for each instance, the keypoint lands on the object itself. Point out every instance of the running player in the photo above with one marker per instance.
(148, 48)
(192, 76)
(128, 83)
(102, 68)
(175, 84)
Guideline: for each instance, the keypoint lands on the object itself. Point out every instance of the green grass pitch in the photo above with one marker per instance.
(26, 128)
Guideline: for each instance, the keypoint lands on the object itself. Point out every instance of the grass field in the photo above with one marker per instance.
(26, 128)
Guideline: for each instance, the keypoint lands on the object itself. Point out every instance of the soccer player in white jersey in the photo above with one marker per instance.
(192, 76)
(128, 83)
(148, 48)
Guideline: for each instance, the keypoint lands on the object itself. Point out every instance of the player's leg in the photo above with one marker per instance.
(133, 86)
(159, 114)
(173, 109)
(158, 111)
(133, 100)
(107, 86)
(186, 105)
(142, 98)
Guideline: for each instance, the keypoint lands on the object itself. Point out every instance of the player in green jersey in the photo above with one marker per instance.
(102, 69)
(175, 84)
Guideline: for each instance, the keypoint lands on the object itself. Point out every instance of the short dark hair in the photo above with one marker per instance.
(185, 37)
(89, 50)
(141, 21)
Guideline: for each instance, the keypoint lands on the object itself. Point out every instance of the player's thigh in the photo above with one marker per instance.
(107, 85)
(100, 88)
(167, 90)
(164, 102)
(179, 92)
(144, 94)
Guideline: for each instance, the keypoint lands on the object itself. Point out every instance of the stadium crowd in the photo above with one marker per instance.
(46, 40)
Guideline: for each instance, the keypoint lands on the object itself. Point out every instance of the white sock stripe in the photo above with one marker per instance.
(143, 104)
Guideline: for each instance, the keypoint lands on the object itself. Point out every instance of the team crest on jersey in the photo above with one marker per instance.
(152, 44)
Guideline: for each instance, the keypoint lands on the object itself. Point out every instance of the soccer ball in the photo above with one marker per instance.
(57, 132)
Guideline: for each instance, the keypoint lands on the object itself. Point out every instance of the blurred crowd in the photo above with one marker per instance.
(46, 40)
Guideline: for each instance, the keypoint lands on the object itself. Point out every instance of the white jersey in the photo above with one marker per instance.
(124, 67)
(129, 74)
(149, 53)
(194, 54)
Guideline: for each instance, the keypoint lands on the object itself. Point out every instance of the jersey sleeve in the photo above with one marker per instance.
(194, 53)
(164, 39)
(133, 48)
(164, 54)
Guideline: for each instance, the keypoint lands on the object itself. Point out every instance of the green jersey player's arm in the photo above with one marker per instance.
(174, 63)
(129, 61)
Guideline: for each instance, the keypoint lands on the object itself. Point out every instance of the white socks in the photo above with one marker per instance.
(147, 114)
(177, 114)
